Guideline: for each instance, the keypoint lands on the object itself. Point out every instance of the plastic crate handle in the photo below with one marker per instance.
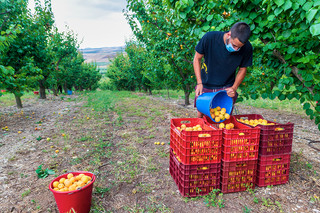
(276, 159)
(202, 135)
(241, 164)
(244, 133)
(185, 122)
(202, 168)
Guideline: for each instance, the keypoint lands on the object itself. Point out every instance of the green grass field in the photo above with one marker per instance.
(292, 106)
(8, 99)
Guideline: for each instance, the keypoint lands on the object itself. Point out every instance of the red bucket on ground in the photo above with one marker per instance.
(78, 201)
(36, 92)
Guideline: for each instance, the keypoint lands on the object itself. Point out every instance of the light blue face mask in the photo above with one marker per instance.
(230, 47)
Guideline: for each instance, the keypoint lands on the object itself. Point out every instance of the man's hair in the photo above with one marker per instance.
(241, 30)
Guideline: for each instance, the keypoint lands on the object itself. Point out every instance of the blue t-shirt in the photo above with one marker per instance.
(220, 65)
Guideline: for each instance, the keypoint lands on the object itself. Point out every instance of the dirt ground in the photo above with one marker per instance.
(117, 145)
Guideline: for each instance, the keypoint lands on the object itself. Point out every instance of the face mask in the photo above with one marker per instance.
(230, 47)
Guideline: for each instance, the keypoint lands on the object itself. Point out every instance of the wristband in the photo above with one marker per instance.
(199, 83)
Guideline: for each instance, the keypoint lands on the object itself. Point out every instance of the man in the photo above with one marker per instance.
(223, 53)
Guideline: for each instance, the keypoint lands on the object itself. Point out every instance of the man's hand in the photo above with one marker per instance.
(199, 89)
(231, 92)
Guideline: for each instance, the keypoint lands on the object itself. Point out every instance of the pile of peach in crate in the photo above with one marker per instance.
(231, 156)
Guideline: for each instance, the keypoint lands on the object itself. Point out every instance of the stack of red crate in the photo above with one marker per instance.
(239, 156)
(195, 157)
(274, 151)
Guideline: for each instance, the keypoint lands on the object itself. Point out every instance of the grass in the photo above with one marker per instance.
(105, 100)
(292, 106)
(8, 99)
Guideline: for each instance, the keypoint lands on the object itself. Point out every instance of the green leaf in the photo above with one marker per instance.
(290, 96)
(264, 95)
(311, 14)
(316, 3)
(271, 17)
(309, 112)
(315, 29)
(301, 2)
(282, 97)
(209, 17)
(318, 108)
(295, 6)
(317, 97)
(317, 120)
(278, 11)
(287, 5)
(307, 6)
(277, 93)
(306, 106)
(279, 2)
(206, 28)
(290, 50)
(183, 15)
(51, 172)
(287, 33)
(319, 127)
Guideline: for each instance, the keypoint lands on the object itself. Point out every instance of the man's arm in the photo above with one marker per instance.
(197, 70)
(231, 91)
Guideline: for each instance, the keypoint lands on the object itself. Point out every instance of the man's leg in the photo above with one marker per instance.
(200, 115)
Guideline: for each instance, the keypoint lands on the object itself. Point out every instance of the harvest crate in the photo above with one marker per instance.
(240, 143)
(195, 147)
(238, 176)
(274, 139)
(194, 180)
(273, 170)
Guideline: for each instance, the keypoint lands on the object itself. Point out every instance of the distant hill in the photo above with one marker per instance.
(101, 55)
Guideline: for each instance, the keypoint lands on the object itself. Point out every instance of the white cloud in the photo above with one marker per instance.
(100, 23)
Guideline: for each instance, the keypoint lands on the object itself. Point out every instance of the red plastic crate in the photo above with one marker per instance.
(273, 170)
(240, 143)
(194, 180)
(195, 147)
(273, 140)
(238, 176)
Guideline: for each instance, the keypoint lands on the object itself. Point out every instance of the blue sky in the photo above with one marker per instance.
(99, 23)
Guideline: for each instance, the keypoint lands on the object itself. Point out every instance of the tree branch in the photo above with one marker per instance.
(4, 21)
(4, 13)
(294, 70)
(181, 73)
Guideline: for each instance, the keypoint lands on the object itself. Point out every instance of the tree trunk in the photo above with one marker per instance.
(186, 95)
(168, 93)
(60, 89)
(18, 101)
(186, 98)
(150, 92)
(65, 87)
(42, 90)
(55, 91)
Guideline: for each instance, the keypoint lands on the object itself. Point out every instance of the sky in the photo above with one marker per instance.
(98, 23)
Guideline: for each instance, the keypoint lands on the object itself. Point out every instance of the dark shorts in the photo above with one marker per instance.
(215, 90)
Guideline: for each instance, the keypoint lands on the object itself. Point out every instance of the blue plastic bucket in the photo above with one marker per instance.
(209, 100)
(69, 92)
